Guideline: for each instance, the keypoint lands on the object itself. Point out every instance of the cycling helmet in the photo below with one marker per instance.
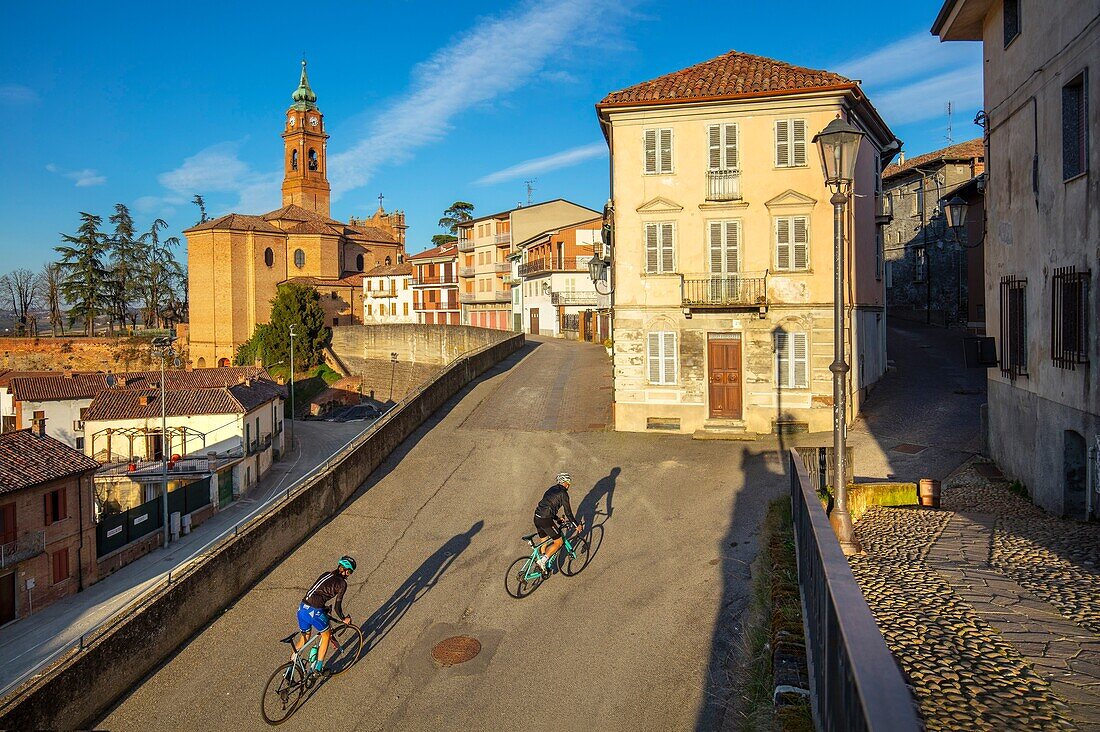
(563, 478)
(347, 563)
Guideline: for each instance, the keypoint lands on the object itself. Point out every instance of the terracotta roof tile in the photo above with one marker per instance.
(57, 386)
(370, 233)
(443, 250)
(314, 226)
(390, 270)
(963, 151)
(294, 212)
(27, 460)
(145, 403)
(237, 222)
(732, 74)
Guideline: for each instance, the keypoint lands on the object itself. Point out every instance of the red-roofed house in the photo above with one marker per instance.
(388, 295)
(435, 285)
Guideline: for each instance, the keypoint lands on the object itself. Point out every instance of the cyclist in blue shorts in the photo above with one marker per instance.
(313, 612)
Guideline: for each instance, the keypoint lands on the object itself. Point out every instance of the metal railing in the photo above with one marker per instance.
(505, 238)
(390, 292)
(725, 291)
(26, 546)
(724, 185)
(554, 264)
(572, 298)
(428, 305)
(494, 296)
(434, 280)
(884, 207)
(855, 682)
(502, 266)
(466, 271)
(465, 245)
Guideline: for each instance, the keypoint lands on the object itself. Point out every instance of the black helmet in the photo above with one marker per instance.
(347, 563)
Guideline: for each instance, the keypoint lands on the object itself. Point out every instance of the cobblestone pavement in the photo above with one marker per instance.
(990, 607)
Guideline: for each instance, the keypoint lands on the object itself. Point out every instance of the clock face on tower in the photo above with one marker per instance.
(290, 121)
(313, 121)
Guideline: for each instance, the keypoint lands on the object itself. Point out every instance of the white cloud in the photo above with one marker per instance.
(17, 95)
(499, 54)
(925, 99)
(562, 159)
(911, 57)
(215, 170)
(81, 178)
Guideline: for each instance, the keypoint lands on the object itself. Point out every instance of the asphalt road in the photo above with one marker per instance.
(638, 641)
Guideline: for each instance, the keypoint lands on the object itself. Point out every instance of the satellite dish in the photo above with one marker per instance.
(111, 381)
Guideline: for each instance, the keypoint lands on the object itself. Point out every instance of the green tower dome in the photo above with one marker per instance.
(303, 96)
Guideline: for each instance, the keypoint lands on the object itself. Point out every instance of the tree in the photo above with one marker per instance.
(198, 201)
(161, 273)
(22, 286)
(293, 304)
(126, 265)
(82, 271)
(440, 239)
(459, 212)
(50, 277)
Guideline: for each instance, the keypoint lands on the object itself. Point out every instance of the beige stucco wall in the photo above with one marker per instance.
(403, 298)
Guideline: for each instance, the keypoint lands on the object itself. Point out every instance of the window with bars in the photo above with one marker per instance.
(1069, 317)
(661, 357)
(792, 360)
(1013, 327)
(790, 143)
(658, 150)
(792, 243)
(659, 253)
(1075, 140)
(1011, 20)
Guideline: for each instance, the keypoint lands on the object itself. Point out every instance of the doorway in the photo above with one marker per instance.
(7, 598)
(1073, 471)
(534, 321)
(724, 375)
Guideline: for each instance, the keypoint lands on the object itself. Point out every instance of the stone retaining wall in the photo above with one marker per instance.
(79, 690)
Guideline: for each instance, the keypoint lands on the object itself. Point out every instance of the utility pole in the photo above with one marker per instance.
(162, 347)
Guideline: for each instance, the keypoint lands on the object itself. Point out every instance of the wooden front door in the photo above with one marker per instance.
(724, 375)
(534, 321)
(7, 598)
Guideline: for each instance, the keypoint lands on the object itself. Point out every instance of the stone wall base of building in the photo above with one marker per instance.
(687, 418)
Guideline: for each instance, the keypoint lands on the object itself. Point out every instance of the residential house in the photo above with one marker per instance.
(927, 264)
(722, 263)
(484, 246)
(47, 533)
(1043, 241)
(388, 295)
(559, 297)
(435, 285)
(7, 401)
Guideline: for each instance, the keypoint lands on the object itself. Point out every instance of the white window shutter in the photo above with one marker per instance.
(665, 156)
(783, 243)
(798, 142)
(800, 360)
(714, 147)
(653, 356)
(668, 360)
(731, 161)
(716, 255)
(782, 143)
(782, 359)
(733, 246)
(668, 263)
(650, 143)
(652, 259)
(801, 243)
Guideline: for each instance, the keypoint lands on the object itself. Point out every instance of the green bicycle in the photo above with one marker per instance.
(288, 685)
(524, 576)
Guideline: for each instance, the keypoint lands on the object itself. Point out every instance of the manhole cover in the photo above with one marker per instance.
(455, 650)
(909, 448)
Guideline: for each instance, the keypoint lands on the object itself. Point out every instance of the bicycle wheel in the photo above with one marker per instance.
(345, 645)
(516, 582)
(575, 563)
(282, 694)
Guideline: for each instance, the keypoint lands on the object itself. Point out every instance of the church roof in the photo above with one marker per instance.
(294, 212)
(303, 96)
(370, 233)
(236, 222)
(314, 227)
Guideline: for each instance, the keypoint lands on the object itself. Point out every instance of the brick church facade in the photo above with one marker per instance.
(236, 262)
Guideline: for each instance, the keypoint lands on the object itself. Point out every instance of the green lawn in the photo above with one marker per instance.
(307, 384)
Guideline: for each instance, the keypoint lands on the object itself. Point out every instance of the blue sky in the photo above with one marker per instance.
(427, 103)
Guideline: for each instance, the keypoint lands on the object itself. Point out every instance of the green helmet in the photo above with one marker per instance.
(347, 563)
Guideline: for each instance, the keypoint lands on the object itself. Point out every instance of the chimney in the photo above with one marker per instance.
(38, 426)
(901, 158)
(68, 374)
(144, 400)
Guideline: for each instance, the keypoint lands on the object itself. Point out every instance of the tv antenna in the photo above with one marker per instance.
(950, 110)
(530, 188)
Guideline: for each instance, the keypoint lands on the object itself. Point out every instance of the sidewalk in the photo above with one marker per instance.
(26, 643)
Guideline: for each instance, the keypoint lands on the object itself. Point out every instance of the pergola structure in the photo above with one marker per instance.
(182, 434)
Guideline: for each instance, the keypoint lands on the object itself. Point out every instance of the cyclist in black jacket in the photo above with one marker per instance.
(555, 499)
(313, 612)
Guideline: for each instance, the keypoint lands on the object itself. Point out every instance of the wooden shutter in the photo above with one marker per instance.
(798, 142)
(801, 243)
(665, 152)
(654, 357)
(717, 255)
(62, 507)
(668, 358)
(800, 360)
(652, 259)
(650, 144)
(725, 243)
(47, 514)
(783, 243)
(782, 360)
(668, 263)
(782, 143)
(714, 146)
(729, 148)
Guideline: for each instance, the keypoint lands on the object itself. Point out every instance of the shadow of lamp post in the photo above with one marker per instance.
(162, 349)
(839, 145)
(393, 371)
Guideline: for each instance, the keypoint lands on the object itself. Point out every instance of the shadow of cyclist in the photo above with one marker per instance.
(378, 625)
(588, 509)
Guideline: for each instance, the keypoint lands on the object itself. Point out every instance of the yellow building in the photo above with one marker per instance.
(723, 251)
(236, 262)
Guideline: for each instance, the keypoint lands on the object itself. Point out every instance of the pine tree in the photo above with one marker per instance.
(126, 256)
(161, 273)
(82, 271)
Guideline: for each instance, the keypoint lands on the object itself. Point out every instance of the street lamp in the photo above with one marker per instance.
(955, 211)
(839, 145)
(292, 334)
(162, 349)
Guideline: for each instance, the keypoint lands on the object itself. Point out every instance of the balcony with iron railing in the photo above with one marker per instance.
(429, 305)
(725, 291)
(465, 245)
(485, 297)
(467, 271)
(389, 292)
(434, 280)
(884, 207)
(723, 185)
(573, 298)
(502, 239)
(26, 546)
(502, 266)
(554, 264)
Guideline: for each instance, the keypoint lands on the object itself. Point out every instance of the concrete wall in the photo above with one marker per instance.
(425, 344)
(77, 692)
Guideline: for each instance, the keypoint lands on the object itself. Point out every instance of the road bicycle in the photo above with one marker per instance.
(288, 685)
(524, 576)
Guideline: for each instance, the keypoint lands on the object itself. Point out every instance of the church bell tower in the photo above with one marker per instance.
(305, 180)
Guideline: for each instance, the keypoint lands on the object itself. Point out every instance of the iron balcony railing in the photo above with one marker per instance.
(855, 683)
(725, 291)
(724, 185)
(494, 296)
(429, 305)
(554, 264)
(465, 245)
(382, 293)
(26, 546)
(502, 266)
(884, 207)
(505, 238)
(466, 271)
(434, 280)
(573, 298)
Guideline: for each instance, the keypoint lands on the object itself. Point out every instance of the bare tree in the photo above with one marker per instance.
(50, 279)
(21, 287)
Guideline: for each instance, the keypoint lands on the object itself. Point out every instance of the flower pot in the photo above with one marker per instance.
(929, 493)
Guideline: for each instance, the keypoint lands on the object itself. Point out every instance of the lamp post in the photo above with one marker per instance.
(292, 334)
(839, 145)
(162, 348)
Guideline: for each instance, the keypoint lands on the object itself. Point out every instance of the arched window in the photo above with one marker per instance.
(294, 160)
(269, 257)
(359, 262)
(299, 258)
(312, 159)
(389, 261)
(223, 362)
(202, 363)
